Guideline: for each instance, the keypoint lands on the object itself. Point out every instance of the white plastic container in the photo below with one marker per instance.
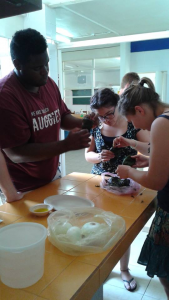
(22, 249)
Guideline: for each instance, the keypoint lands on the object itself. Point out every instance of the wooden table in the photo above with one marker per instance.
(68, 277)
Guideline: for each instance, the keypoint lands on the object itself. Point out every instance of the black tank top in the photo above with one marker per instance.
(163, 195)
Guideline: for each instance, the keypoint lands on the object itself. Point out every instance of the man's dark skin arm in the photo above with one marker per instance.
(31, 152)
(69, 122)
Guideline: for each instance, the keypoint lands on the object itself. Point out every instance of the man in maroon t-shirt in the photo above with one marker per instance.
(31, 115)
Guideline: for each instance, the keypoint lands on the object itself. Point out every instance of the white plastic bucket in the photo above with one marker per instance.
(22, 249)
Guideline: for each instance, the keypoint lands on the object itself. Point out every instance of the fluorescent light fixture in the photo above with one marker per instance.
(63, 32)
(117, 40)
(50, 41)
(118, 58)
(61, 38)
(55, 3)
(67, 66)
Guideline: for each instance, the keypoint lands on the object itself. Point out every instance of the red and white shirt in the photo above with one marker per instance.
(27, 117)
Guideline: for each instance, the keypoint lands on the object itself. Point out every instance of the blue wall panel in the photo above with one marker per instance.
(150, 45)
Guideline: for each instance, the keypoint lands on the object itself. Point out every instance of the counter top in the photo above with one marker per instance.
(69, 277)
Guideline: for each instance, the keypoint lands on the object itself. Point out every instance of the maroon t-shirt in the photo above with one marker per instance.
(27, 117)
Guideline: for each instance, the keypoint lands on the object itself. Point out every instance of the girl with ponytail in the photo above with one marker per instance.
(142, 106)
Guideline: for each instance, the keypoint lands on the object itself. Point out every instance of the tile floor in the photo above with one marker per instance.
(148, 289)
(75, 162)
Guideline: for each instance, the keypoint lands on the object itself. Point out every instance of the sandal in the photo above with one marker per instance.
(127, 283)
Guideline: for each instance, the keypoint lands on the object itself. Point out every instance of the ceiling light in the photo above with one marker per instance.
(68, 66)
(61, 38)
(50, 41)
(55, 3)
(119, 39)
(63, 32)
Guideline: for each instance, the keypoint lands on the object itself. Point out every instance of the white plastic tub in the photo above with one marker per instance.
(22, 249)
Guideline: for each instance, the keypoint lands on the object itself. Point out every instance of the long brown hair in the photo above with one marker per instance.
(137, 94)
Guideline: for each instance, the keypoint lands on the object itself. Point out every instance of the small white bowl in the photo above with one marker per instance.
(36, 209)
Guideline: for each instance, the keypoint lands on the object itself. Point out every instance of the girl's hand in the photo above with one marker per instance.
(141, 161)
(106, 155)
(120, 142)
(123, 171)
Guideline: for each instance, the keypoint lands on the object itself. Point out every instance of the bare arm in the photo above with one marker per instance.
(158, 173)
(90, 154)
(95, 158)
(6, 184)
(142, 144)
(41, 151)
(143, 136)
(69, 122)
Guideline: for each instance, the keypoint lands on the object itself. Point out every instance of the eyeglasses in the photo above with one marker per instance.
(109, 116)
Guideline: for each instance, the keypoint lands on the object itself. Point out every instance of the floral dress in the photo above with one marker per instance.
(103, 142)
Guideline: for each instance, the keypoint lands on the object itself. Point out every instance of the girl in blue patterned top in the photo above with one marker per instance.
(142, 107)
(101, 151)
(106, 158)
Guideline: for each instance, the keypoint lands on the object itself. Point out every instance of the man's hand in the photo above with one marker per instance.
(141, 161)
(77, 139)
(94, 117)
(123, 171)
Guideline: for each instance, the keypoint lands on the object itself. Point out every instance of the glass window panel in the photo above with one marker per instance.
(107, 78)
(6, 65)
(77, 65)
(104, 63)
(77, 79)
(82, 96)
(77, 97)
(4, 46)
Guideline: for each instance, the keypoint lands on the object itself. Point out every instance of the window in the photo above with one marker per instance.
(6, 64)
(82, 78)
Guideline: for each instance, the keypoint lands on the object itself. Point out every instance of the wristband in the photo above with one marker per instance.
(99, 157)
(135, 146)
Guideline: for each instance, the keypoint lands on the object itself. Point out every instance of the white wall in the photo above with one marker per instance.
(151, 61)
(9, 26)
(50, 16)
(36, 20)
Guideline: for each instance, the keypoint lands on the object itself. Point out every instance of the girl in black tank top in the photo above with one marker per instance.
(142, 106)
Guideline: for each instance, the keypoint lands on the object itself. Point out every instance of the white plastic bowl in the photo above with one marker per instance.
(33, 209)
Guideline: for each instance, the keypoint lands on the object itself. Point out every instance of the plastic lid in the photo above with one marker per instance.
(21, 236)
